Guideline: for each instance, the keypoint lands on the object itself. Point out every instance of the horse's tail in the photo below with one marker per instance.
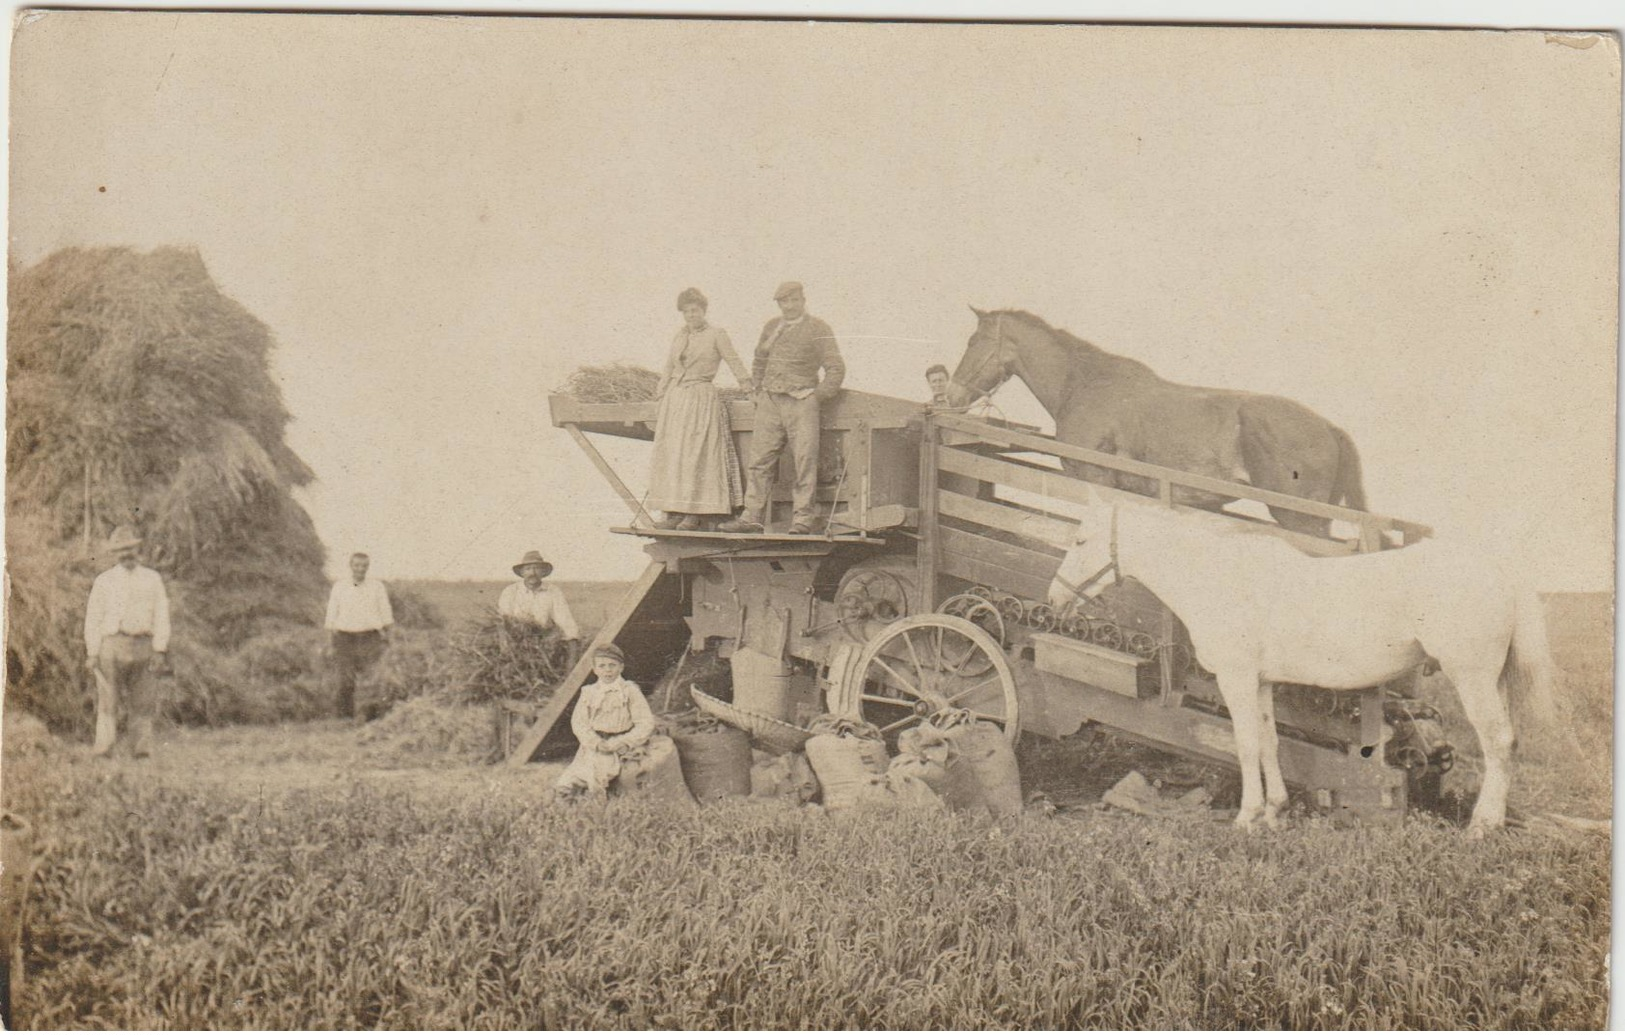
(1348, 487)
(1529, 672)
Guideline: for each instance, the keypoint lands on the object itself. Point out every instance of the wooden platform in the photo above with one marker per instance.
(747, 537)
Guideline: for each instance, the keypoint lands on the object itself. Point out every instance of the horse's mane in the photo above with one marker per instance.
(1075, 344)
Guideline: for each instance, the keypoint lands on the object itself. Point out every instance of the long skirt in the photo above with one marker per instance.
(695, 469)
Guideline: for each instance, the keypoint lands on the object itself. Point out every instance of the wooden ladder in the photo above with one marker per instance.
(566, 693)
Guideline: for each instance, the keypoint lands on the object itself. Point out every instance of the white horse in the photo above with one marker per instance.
(1260, 612)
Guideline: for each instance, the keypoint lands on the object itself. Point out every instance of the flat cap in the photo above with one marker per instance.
(789, 287)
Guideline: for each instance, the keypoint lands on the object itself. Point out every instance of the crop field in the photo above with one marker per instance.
(273, 878)
(463, 601)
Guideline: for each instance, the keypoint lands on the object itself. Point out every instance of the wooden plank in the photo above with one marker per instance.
(890, 515)
(977, 569)
(566, 693)
(1352, 780)
(1087, 663)
(1026, 477)
(609, 473)
(1054, 531)
(1020, 558)
(1061, 486)
(673, 534)
(851, 408)
(927, 554)
(1054, 447)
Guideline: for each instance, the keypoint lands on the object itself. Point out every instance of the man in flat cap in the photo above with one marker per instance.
(795, 346)
(126, 641)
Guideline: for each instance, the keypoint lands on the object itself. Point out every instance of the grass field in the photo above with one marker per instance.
(275, 877)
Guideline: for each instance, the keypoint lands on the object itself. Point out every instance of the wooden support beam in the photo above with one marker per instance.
(927, 552)
(608, 472)
(565, 695)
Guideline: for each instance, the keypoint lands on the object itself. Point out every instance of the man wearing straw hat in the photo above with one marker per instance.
(359, 617)
(532, 600)
(793, 348)
(126, 642)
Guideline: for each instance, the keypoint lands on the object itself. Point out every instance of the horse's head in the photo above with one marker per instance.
(989, 361)
(1091, 556)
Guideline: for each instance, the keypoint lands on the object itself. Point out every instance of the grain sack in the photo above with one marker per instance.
(908, 784)
(655, 773)
(981, 766)
(787, 776)
(922, 753)
(715, 760)
(849, 759)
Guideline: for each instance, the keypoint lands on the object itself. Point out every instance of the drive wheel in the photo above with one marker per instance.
(927, 663)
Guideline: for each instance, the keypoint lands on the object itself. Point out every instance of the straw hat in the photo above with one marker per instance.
(532, 557)
(123, 537)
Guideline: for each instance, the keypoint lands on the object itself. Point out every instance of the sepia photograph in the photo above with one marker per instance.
(559, 521)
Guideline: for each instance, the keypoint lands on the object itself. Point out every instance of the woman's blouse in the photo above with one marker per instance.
(696, 356)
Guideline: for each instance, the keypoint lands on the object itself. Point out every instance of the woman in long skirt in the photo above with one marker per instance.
(695, 472)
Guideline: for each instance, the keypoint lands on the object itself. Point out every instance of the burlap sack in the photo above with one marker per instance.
(716, 762)
(654, 773)
(850, 770)
(979, 771)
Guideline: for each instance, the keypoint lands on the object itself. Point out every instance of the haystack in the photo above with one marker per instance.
(139, 393)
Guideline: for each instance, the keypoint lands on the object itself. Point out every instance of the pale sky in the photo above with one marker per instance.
(1413, 232)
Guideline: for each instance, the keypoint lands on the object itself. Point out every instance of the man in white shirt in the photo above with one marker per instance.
(532, 600)
(359, 617)
(126, 642)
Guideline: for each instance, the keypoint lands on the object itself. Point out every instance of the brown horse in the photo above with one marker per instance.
(1114, 404)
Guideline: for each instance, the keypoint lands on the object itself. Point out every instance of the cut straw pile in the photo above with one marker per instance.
(497, 659)
(616, 383)
(622, 383)
(429, 732)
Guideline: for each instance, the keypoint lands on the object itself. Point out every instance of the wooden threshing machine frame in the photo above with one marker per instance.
(926, 591)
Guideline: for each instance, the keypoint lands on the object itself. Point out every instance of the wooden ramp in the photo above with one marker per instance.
(565, 695)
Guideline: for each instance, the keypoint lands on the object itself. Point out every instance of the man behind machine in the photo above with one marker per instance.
(795, 346)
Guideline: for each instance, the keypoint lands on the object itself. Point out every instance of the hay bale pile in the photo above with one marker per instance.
(139, 394)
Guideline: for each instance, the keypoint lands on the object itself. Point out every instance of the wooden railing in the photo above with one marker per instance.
(1373, 528)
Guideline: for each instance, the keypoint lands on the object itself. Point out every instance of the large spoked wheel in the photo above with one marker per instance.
(925, 663)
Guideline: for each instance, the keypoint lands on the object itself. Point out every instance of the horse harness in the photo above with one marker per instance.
(1110, 567)
(1005, 375)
